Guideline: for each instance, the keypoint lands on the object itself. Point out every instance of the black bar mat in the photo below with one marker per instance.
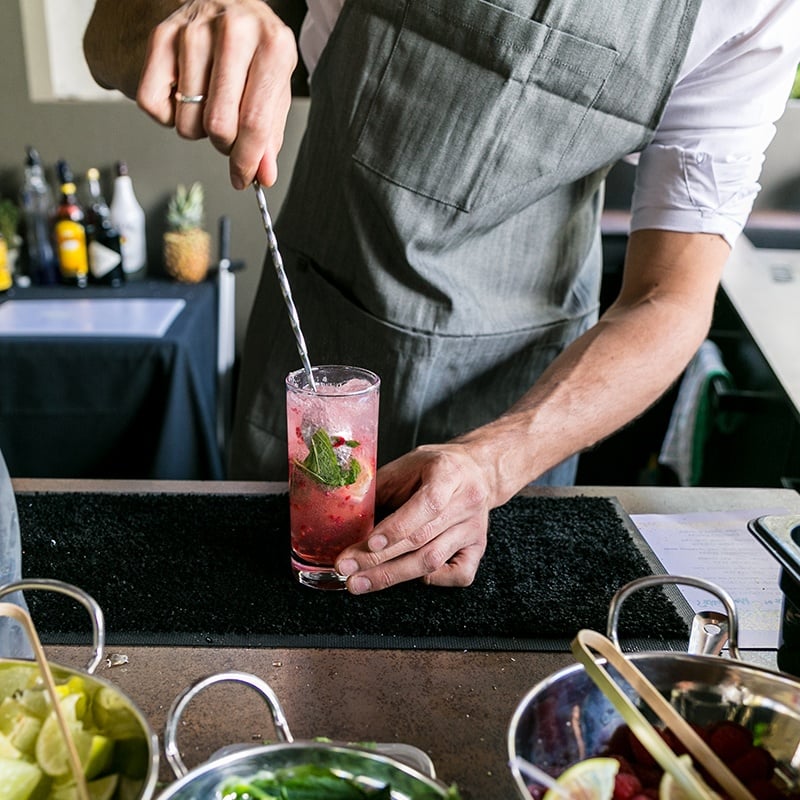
(188, 569)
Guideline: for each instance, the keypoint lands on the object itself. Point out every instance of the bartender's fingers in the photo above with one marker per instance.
(441, 509)
(250, 88)
(263, 112)
(445, 561)
(195, 42)
(159, 77)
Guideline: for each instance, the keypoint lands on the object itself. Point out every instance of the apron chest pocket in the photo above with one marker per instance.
(474, 102)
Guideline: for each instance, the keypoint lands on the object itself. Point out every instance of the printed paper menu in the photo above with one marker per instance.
(717, 547)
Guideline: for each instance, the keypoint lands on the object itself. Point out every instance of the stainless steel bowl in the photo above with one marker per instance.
(369, 767)
(146, 781)
(566, 717)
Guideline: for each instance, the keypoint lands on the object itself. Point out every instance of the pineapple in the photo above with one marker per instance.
(187, 246)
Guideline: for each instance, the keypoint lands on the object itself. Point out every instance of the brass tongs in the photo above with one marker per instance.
(587, 641)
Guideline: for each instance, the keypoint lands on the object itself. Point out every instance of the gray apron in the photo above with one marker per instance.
(13, 641)
(442, 223)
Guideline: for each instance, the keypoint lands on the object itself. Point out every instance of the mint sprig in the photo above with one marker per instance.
(323, 466)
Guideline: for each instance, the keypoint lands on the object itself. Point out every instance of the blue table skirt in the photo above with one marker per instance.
(114, 407)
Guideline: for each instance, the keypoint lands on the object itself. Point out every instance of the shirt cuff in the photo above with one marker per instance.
(687, 190)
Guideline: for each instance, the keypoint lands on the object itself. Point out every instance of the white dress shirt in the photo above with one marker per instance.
(700, 173)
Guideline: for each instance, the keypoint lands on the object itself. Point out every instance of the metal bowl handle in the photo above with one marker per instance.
(79, 595)
(660, 580)
(175, 713)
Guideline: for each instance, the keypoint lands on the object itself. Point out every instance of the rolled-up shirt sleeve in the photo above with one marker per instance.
(700, 172)
(694, 191)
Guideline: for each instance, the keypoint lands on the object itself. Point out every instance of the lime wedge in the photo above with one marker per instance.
(19, 779)
(52, 753)
(7, 748)
(113, 715)
(74, 705)
(101, 754)
(129, 788)
(591, 779)
(19, 725)
(101, 789)
(15, 678)
(131, 757)
(36, 701)
(74, 685)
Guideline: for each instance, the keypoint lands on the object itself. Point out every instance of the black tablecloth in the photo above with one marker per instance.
(114, 407)
(214, 569)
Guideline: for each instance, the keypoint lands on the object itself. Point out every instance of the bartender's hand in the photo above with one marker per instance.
(237, 55)
(614, 371)
(437, 531)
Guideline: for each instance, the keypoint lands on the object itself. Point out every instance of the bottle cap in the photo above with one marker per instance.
(32, 158)
(64, 172)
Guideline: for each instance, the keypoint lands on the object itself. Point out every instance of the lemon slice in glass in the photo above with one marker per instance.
(591, 779)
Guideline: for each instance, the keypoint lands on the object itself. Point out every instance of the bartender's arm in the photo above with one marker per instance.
(238, 54)
(443, 493)
(696, 183)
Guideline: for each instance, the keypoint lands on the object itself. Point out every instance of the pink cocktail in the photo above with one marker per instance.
(332, 442)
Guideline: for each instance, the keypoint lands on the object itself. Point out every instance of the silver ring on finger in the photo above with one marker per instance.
(189, 99)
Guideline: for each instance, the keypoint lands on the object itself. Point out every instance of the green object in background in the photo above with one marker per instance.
(9, 218)
(795, 93)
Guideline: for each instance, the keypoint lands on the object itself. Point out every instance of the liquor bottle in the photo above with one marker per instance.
(105, 243)
(128, 218)
(39, 259)
(6, 280)
(70, 231)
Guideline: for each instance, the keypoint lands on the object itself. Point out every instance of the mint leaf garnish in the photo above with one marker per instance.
(351, 473)
(322, 465)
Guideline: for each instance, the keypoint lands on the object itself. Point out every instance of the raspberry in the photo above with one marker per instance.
(765, 790)
(729, 740)
(650, 776)
(624, 764)
(619, 743)
(673, 742)
(639, 753)
(755, 764)
(626, 786)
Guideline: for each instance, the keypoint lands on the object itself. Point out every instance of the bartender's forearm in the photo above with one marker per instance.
(617, 369)
(115, 41)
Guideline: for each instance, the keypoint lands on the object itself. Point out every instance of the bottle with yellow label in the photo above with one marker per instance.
(5, 271)
(70, 231)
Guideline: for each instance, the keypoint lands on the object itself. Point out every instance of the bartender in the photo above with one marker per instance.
(441, 226)
(13, 639)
